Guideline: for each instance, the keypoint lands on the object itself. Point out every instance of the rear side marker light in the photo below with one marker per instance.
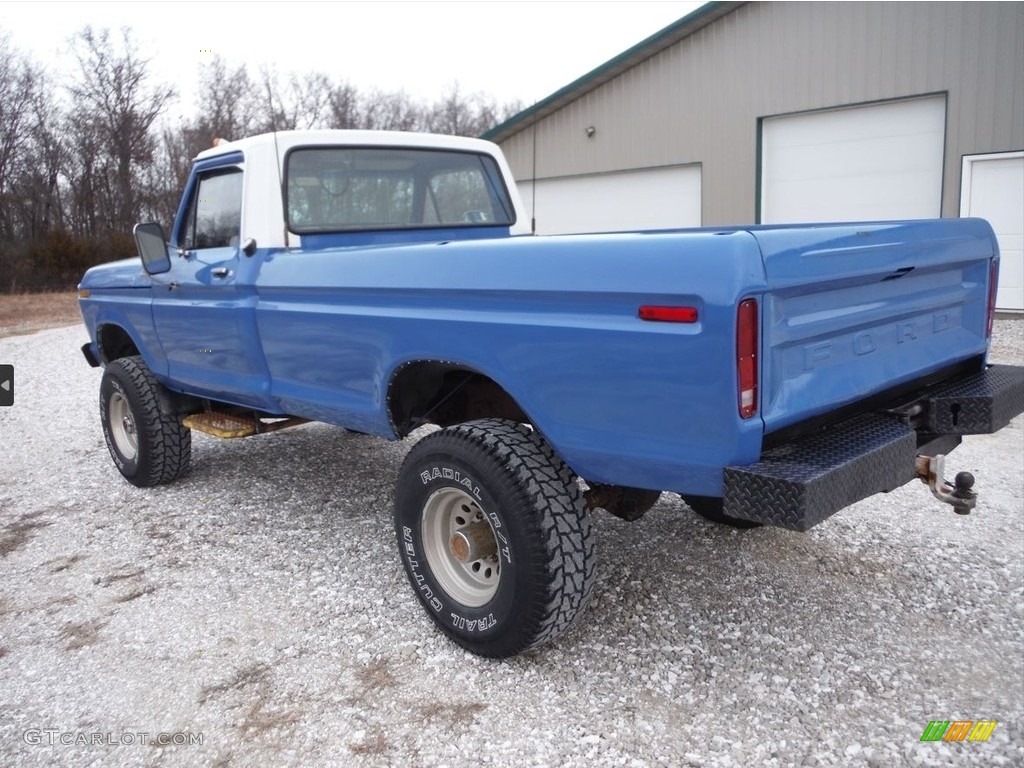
(746, 357)
(668, 314)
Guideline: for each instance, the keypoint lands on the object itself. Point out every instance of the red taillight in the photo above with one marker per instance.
(746, 356)
(669, 314)
(993, 283)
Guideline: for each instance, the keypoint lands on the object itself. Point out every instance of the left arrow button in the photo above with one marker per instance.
(6, 385)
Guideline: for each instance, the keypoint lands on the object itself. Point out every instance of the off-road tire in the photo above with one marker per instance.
(544, 560)
(146, 440)
(710, 508)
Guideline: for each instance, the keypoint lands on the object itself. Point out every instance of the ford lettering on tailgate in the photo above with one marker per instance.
(861, 343)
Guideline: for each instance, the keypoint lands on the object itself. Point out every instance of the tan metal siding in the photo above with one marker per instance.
(700, 99)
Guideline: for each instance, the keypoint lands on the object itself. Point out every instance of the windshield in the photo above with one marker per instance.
(332, 189)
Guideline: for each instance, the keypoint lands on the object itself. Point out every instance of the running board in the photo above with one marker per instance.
(229, 426)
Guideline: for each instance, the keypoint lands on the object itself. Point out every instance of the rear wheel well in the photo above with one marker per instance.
(430, 392)
(115, 343)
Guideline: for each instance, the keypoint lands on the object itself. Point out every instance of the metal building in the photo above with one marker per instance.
(776, 112)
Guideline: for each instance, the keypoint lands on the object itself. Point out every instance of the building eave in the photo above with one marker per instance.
(645, 49)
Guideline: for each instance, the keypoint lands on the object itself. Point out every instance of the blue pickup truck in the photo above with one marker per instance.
(382, 282)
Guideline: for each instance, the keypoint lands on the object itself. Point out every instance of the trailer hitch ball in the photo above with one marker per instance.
(962, 484)
(960, 494)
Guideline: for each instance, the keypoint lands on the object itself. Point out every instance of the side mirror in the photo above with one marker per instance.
(149, 239)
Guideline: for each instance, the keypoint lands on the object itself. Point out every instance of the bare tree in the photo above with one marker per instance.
(75, 177)
(307, 101)
(36, 190)
(311, 99)
(115, 111)
(227, 102)
(391, 112)
(273, 114)
(166, 177)
(20, 82)
(462, 115)
(344, 108)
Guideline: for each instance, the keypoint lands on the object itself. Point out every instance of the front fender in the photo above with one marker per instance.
(131, 311)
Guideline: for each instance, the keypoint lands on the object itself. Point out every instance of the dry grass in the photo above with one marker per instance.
(259, 720)
(135, 594)
(80, 634)
(376, 675)
(17, 533)
(123, 573)
(30, 312)
(374, 745)
(59, 564)
(450, 715)
(251, 688)
(254, 674)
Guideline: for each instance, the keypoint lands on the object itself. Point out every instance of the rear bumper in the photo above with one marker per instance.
(976, 405)
(798, 484)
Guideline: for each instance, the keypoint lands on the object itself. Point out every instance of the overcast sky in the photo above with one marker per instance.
(506, 49)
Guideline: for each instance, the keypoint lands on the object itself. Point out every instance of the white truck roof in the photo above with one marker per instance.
(262, 211)
(288, 139)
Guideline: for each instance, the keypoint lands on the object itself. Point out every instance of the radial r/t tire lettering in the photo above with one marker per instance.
(494, 536)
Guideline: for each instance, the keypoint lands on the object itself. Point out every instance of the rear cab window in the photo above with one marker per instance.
(342, 189)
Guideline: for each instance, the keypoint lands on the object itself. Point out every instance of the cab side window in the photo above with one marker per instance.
(215, 211)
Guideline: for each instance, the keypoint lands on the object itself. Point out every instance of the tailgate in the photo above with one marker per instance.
(855, 309)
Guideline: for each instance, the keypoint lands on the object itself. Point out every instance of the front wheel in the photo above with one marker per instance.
(148, 444)
(494, 536)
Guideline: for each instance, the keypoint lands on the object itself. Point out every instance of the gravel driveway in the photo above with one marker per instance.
(259, 606)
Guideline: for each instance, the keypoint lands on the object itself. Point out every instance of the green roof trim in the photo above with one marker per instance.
(628, 59)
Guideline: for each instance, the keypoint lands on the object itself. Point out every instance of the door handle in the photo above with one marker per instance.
(220, 272)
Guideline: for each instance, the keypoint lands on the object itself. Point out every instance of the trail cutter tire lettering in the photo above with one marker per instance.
(494, 536)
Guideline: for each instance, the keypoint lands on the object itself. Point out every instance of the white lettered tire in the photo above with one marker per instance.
(494, 536)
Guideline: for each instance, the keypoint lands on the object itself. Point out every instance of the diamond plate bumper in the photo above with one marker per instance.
(797, 485)
(978, 404)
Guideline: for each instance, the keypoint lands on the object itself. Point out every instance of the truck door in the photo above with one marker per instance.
(204, 307)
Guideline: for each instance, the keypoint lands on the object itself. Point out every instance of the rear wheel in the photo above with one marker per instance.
(148, 444)
(494, 536)
(710, 508)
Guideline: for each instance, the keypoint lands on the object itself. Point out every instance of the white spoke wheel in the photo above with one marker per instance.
(122, 426)
(145, 438)
(460, 547)
(494, 536)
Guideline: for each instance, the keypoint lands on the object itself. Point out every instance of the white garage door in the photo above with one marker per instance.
(652, 198)
(878, 162)
(992, 187)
